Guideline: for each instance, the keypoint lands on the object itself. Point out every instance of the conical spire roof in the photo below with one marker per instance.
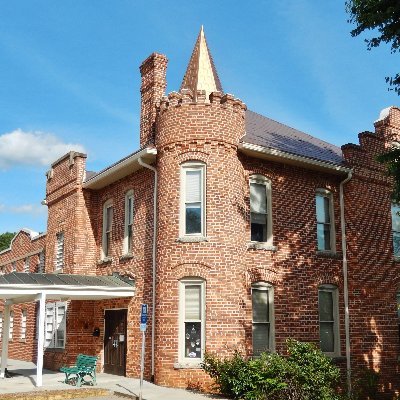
(201, 73)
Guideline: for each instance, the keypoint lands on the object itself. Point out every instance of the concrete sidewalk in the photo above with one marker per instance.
(24, 375)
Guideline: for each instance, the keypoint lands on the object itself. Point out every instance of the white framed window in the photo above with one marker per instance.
(23, 325)
(1, 324)
(396, 229)
(11, 330)
(193, 205)
(262, 299)
(59, 258)
(192, 320)
(41, 261)
(55, 325)
(260, 209)
(128, 226)
(325, 220)
(14, 266)
(27, 261)
(107, 228)
(328, 307)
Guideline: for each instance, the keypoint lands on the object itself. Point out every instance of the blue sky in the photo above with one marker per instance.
(69, 77)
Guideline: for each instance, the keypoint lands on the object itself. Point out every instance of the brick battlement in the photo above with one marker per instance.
(186, 97)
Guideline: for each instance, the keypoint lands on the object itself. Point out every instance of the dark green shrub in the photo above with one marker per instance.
(304, 374)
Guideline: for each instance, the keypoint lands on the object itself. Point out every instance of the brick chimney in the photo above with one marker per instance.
(387, 126)
(153, 71)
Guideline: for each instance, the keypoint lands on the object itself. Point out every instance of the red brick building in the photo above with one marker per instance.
(239, 232)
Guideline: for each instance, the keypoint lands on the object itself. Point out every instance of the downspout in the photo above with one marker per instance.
(153, 308)
(345, 283)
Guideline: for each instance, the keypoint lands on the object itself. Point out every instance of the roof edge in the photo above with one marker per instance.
(290, 158)
(92, 182)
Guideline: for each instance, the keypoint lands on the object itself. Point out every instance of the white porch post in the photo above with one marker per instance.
(6, 336)
(39, 362)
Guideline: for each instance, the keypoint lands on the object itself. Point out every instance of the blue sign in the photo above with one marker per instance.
(143, 315)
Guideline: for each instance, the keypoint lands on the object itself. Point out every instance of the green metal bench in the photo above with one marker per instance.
(85, 366)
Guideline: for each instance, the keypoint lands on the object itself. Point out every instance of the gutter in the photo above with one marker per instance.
(294, 158)
(345, 283)
(120, 165)
(153, 308)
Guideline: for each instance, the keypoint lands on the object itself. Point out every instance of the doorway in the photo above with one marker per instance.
(115, 342)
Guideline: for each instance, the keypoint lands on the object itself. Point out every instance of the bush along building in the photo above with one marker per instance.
(238, 232)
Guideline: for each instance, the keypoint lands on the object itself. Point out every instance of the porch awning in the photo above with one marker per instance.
(21, 287)
(25, 287)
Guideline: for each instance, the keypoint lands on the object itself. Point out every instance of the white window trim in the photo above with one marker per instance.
(107, 204)
(181, 347)
(27, 262)
(192, 166)
(24, 318)
(328, 194)
(336, 329)
(59, 267)
(1, 323)
(125, 249)
(270, 289)
(262, 180)
(11, 328)
(397, 256)
(54, 340)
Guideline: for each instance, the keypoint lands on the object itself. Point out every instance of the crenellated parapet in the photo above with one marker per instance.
(185, 117)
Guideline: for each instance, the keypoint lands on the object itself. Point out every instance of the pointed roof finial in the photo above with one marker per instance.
(201, 73)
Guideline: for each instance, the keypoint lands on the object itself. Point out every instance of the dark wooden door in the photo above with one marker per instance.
(115, 342)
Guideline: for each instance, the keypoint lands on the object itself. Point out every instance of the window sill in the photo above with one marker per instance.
(126, 257)
(58, 271)
(261, 246)
(188, 365)
(192, 239)
(107, 260)
(329, 254)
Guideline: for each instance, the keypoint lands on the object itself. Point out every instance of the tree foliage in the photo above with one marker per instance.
(5, 240)
(382, 17)
(392, 161)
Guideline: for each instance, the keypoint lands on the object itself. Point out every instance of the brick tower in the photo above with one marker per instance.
(201, 228)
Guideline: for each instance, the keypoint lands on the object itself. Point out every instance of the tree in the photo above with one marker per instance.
(383, 18)
(5, 240)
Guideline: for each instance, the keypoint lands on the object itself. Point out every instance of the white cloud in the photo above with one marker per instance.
(32, 148)
(32, 209)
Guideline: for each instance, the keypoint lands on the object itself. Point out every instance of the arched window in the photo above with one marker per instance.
(260, 209)
(328, 307)
(107, 228)
(193, 210)
(192, 319)
(128, 226)
(262, 298)
(325, 220)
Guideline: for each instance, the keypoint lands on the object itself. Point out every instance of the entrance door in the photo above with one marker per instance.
(115, 342)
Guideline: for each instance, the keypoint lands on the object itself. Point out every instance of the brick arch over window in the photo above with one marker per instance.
(197, 269)
(191, 155)
(267, 275)
(327, 278)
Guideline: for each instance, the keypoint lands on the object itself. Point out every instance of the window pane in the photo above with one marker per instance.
(327, 337)
(192, 302)
(109, 218)
(258, 198)
(193, 339)
(395, 218)
(323, 212)
(193, 218)
(261, 334)
(325, 301)
(324, 236)
(260, 305)
(258, 227)
(130, 210)
(193, 186)
(396, 244)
